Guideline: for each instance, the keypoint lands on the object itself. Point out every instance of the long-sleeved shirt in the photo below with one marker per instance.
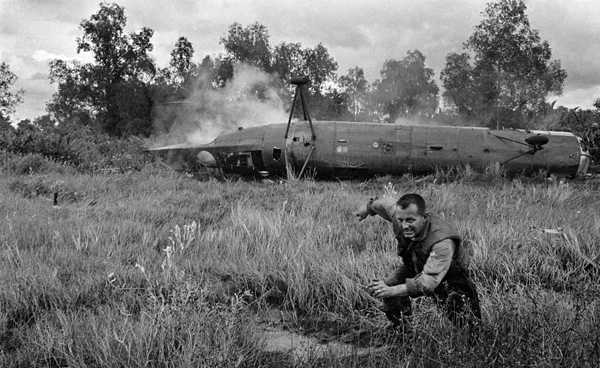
(438, 262)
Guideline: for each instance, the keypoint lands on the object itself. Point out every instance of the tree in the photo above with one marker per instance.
(320, 67)
(457, 78)
(119, 55)
(180, 78)
(223, 69)
(288, 61)
(113, 91)
(75, 95)
(291, 59)
(511, 72)
(406, 87)
(181, 56)
(355, 87)
(331, 104)
(9, 98)
(249, 45)
(181, 68)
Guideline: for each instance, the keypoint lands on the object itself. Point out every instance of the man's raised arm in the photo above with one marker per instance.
(377, 206)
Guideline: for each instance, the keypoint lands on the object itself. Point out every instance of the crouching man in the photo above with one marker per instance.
(434, 262)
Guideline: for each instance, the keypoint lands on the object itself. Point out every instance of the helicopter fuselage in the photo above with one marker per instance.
(350, 149)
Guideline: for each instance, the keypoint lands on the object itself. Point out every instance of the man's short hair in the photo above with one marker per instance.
(412, 198)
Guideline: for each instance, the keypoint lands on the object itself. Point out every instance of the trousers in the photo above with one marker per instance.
(456, 295)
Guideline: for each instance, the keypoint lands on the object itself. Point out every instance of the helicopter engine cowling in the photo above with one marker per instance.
(206, 159)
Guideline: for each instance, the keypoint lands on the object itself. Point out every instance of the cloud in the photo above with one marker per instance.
(66, 11)
(361, 32)
(37, 93)
(43, 56)
(39, 76)
(573, 31)
(582, 97)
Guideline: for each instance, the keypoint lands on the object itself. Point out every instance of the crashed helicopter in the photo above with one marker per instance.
(358, 149)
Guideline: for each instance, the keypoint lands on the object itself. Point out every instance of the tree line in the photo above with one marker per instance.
(502, 77)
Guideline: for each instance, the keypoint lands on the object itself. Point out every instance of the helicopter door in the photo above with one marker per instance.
(299, 146)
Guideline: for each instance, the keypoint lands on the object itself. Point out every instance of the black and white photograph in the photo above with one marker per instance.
(259, 183)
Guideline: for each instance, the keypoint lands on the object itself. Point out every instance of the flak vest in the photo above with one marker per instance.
(435, 231)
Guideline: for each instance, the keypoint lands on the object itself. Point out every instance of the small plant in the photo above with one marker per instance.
(389, 190)
(182, 237)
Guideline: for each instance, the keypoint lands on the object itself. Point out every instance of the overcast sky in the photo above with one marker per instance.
(363, 33)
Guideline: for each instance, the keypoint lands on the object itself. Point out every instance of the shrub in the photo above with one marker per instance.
(33, 163)
(75, 144)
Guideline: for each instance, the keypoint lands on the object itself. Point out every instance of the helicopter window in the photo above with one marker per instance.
(239, 160)
(276, 153)
(244, 161)
(295, 139)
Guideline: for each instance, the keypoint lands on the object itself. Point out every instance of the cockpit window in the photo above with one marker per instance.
(240, 160)
(243, 161)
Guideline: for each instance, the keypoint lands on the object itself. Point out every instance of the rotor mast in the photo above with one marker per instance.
(300, 83)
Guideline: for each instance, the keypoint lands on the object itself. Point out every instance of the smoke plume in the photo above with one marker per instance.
(248, 99)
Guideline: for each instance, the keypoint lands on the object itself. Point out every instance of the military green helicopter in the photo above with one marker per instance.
(357, 149)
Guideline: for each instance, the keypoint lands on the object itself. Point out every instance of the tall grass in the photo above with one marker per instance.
(155, 269)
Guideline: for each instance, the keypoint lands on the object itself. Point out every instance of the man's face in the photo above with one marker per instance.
(410, 221)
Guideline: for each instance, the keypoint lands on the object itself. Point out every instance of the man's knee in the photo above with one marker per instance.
(397, 305)
(460, 300)
(462, 308)
(397, 309)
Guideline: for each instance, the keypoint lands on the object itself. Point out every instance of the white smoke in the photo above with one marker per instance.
(248, 99)
(417, 119)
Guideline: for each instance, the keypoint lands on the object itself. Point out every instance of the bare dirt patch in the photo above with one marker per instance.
(304, 348)
(281, 336)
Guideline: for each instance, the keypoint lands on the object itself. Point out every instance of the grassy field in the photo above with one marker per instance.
(154, 269)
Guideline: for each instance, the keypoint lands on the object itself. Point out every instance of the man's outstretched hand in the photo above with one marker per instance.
(362, 213)
(379, 289)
